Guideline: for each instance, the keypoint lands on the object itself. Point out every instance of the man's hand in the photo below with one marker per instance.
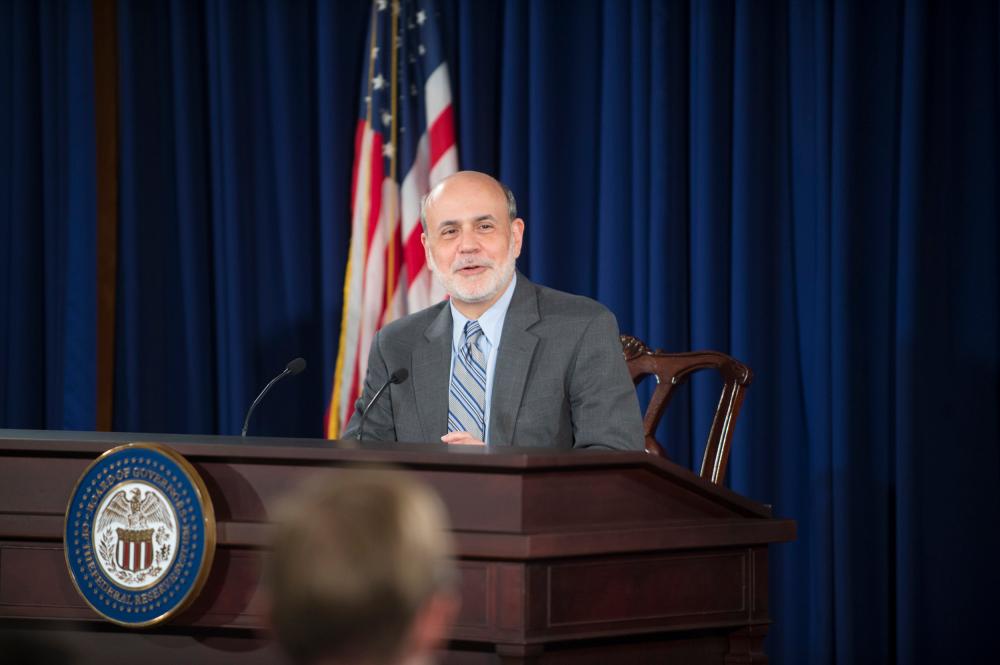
(462, 439)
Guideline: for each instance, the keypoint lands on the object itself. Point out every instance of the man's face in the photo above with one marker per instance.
(471, 245)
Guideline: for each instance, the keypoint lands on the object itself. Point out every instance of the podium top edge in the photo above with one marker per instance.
(200, 448)
(306, 449)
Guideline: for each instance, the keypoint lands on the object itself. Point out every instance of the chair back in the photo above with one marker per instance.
(672, 370)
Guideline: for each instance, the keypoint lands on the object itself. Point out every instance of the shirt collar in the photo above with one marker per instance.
(491, 321)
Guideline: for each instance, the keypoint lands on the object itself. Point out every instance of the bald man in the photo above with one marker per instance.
(503, 362)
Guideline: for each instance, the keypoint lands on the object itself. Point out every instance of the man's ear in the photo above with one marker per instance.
(427, 249)
(433, 623)
(517, 235)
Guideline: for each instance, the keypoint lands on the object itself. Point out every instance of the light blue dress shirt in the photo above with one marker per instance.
(491, 322)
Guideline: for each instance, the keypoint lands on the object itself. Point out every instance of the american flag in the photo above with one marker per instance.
(403, 146)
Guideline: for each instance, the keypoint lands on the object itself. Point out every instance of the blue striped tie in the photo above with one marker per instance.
(467, 395)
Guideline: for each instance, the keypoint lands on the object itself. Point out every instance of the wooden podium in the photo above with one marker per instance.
(565, 557)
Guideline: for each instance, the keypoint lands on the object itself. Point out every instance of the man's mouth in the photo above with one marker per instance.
(469, 271)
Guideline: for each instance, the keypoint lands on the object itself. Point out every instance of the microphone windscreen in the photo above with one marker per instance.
(296, 366)
(399, 375)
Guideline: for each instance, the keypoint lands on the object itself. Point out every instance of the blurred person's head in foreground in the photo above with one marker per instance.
(362, 571)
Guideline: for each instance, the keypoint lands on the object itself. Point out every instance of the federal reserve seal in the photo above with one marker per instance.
(139, 534)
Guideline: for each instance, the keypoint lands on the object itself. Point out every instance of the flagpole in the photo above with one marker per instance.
(390, 285)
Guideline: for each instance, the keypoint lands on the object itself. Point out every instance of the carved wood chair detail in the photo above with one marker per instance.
(672, 370)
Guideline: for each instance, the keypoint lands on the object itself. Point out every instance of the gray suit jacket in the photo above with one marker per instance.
(560, 377)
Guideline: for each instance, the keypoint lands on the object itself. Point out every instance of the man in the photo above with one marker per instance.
(504, 361)
(361, 571)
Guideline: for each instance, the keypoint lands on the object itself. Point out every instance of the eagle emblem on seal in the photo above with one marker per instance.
(136, 535)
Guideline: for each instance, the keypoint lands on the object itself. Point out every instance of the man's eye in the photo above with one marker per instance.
(448, 232)
(485, 227)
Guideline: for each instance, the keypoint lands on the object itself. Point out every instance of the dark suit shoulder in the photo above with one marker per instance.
(568, 306)
(409, 329)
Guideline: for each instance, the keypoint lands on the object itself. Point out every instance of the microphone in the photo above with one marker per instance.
(291, 369)
(398, 376)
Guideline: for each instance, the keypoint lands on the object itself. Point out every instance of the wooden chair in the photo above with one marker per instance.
(672, 370)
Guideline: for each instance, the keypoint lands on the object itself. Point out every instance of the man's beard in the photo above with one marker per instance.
(486, 285)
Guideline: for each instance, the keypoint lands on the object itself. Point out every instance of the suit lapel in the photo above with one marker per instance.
(517, 347)
(431, 364)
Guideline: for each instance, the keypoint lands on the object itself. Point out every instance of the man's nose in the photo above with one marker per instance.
(467, 242)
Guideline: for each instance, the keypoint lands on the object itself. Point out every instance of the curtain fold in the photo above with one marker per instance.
(237, 132)
(48, 272)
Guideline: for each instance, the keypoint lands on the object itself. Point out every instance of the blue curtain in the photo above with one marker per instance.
(809, 186)
(48, 268)
(237, 124)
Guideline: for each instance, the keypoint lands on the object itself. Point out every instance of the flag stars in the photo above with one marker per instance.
(374, 52)
(386, 118)
(421, 49)
(421, 17)
(381, 4)
(379, 82)
(389, 150)
(413, 90)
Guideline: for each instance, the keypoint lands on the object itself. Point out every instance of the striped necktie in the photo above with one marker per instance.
(467, 395)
